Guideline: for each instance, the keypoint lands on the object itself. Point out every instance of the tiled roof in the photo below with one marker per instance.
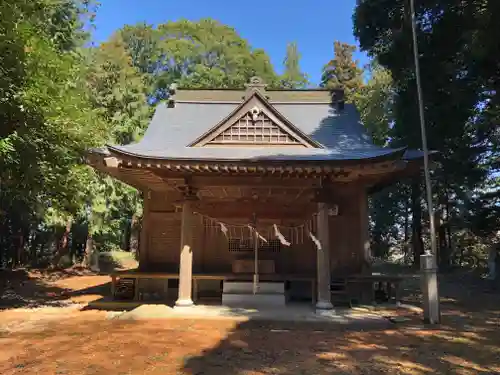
(339, 132)
(172, 129)
(274, 96)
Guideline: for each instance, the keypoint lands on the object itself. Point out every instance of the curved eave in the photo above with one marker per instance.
(414, 167)
(323, 159)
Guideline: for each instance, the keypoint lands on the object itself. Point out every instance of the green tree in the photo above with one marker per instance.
(389, 208)
(198, 54)
(48, 122)
(343, 72)
(293, 77)
(119, 91)
(133, 69)
(457, 93)
(375, 102)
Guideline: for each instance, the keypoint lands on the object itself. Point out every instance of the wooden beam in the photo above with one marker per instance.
(244, 210)
(135, 180)
(112, 162)
(260, 181)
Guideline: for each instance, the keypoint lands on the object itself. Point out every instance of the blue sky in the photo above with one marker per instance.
(271, 24)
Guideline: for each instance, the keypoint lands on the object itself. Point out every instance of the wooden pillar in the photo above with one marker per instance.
(186, 257)
(144, 239)
(323, 259)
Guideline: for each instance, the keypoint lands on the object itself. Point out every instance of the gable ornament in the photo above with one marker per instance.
(255, 112)
(255, 84)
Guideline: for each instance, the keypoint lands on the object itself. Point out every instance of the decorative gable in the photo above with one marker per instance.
(255, 127)
(255, 122)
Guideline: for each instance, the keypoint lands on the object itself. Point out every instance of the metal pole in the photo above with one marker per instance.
(428, 262)
(428, 186)
(256, 257)
(256, 264)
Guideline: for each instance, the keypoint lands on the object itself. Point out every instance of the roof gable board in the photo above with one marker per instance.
(261, 117)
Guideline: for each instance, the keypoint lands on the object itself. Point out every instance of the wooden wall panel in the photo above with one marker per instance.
(348, 232)
(198, 246)
(144, 236)
(216, 257)
(348, 238)
(216, 254)
(164, 241)
(300, 257)
(164, 201)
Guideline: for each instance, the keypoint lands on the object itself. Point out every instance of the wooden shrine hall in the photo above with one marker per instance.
(255, 195)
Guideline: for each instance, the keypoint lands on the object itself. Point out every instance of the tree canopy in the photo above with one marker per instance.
(459, 83)
(342, 71)
(293, 77)
(60, 96)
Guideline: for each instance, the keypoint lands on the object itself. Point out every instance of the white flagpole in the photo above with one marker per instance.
(431, 296)
(256, 263)
(256, 256)
(425, 150)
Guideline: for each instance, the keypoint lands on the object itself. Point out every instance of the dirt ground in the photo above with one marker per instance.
(48, 333)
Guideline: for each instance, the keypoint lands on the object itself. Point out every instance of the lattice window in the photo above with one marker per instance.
(237, 245)
(271, 246)
(260, 130)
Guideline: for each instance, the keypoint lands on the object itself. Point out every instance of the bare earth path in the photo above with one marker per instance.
(65, 340)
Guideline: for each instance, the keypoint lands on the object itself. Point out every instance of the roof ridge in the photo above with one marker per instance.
(239, 102)
(243, 89)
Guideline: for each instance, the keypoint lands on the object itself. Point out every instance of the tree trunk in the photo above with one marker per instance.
(134, 235)
(416, 225)
(33, 247)
(19, 251)
(63, 247)
(443, 223)
(449, 234)
(19, 248)
(442, 242)
(89, 249)
(407, 220)
(125, 240)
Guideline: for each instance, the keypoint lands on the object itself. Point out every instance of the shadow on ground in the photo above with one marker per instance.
(467, 342)
(214, 347)
(35, 288)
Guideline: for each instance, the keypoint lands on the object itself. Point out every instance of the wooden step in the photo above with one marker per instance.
(244, 287)
(253, 300)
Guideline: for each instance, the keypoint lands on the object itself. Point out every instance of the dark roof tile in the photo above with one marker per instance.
(172, 129)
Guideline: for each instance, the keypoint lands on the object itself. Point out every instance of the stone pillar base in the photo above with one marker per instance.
(184, 303)
(324, 305)
(327, 313)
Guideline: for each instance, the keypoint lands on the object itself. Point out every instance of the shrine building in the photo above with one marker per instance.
(253, 195)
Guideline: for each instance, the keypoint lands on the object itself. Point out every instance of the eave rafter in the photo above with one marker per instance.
(242, 168)
(173, 175)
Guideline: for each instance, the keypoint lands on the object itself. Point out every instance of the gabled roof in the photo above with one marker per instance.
(258, 103)
(332, 129)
